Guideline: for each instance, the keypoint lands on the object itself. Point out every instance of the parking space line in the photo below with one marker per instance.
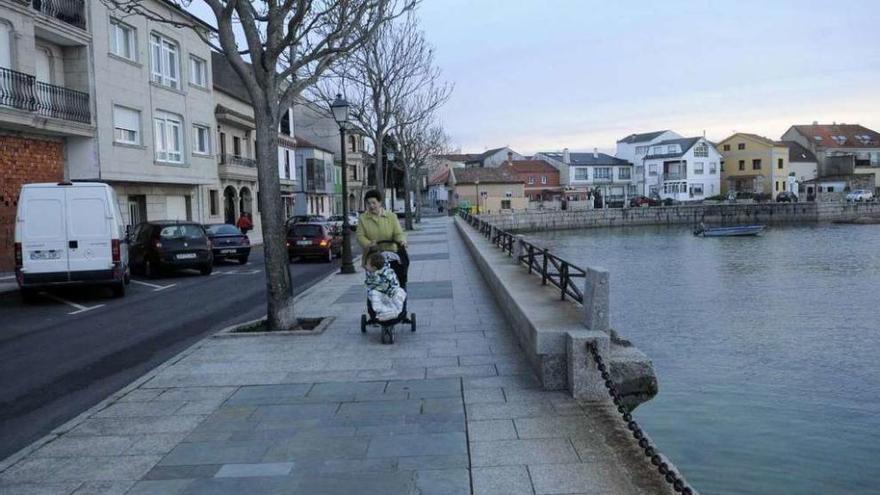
(79, 307)
(238, 272)
(156, 287)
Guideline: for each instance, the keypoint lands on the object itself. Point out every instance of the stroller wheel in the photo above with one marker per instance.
(412, 322)
(363, 323)
(387, 335)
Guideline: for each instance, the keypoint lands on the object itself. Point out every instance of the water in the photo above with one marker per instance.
(766, 350)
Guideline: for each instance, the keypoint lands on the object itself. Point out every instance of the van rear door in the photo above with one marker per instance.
(89, 230)
(44, 231)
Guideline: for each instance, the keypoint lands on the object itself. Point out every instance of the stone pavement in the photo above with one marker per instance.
(450, 409)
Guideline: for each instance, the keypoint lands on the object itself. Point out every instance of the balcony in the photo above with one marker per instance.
(69, 11)
(679, 176)
(24, 92)
(238, 161)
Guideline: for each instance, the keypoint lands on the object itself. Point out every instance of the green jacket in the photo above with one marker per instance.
(379, 228)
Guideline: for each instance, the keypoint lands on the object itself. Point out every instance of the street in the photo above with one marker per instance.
(74, 347)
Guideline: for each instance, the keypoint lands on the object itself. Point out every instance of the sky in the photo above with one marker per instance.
(542, 75)
(546, 75)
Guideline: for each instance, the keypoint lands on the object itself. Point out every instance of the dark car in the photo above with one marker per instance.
(307, 219)
(786, 197)
(643, 201)
(169, 244)
(312, 240)
(228, 242)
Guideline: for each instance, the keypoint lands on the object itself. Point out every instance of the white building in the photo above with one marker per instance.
(583, 173)
(684, 169)
(634, 148)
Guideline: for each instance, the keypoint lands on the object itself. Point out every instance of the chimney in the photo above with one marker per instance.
(566, 158)
(815, 122)
(510, 158)
(595, 152)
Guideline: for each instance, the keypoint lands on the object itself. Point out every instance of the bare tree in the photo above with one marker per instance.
(376, 79)
(289, 44)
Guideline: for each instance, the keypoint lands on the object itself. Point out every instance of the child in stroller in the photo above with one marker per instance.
(386, 294)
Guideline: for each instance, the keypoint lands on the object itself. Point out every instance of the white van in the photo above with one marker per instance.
(69, 233)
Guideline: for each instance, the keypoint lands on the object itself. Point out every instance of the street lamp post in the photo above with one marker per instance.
(477, 186)
(339, 107)
(390, 155)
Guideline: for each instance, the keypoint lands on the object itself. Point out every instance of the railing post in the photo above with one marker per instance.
(563, 278)
(517, 249)
(544, 269)
(596, 300)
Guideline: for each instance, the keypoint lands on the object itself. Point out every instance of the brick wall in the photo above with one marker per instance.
(22, 161)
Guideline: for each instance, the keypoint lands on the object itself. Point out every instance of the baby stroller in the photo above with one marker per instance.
(399, 262)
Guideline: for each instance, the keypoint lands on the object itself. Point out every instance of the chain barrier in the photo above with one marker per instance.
(678, 484)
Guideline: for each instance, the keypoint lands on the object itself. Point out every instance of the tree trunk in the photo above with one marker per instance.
(418, 189)
(379, 170)
(407, 205)
(279, 309)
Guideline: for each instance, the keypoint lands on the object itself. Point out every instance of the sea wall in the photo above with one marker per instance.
(710, 214)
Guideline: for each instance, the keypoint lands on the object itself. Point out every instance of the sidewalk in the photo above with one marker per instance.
(450, 409)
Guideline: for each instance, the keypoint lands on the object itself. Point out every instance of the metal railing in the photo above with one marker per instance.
(230, 159)
(70, 11)
(17, 90)
(551, 268)
(62, 103)
(23, 91)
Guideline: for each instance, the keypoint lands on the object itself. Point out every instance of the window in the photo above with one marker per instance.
(701, 150)
(164, 63)
(779, 163)
(696, 189)
(741, 146)
(640, 171)
(122, 40)
(726, 147)
(722, 166)
(531, 180)
(236, 146)
(284, 126)
(352, 144)
(624, 173)
(672, 148)
(201, 140)
(508, 194)
(657, 150)
(712, 169)
(580, 173)
(198, 71)
(698, 168)
(756, 164)
(839, 139)
(6, 34)
(543, 179)
(777, 186)
(168, 137)
(215, 201)
(742, 164)
(652, 169)
(602, 173)
(222, 143)
(126, 125)
(640, 150)
(505, 204)
(287, 164)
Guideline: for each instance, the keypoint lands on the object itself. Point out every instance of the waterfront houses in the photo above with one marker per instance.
(840, 149)
(582, 174)
(685, 169)
(802, 163)
(754, 164)
(634, 148)
(540, 178)
(490, 158)
(487, 189)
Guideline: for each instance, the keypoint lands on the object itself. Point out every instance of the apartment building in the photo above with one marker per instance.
(47, 118)
(684, 169)
(634, 148)
(582, 174)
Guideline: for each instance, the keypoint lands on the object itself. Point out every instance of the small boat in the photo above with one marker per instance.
(704, 231)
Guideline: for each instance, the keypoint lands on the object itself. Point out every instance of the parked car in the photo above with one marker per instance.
(228, 242)
(336, 220)
(308, 219)
(312, 240)
(643, 201)
(170, 244)
(860, 195)
(786, 197)
(67, 234)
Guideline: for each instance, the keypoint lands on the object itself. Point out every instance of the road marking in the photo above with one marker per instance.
(156, 288)
(238, 272)
(8, 278)
(79, 307)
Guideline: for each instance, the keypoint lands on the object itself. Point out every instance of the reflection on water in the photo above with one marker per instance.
(766, 349)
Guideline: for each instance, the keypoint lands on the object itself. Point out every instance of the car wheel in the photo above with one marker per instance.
(119, 289)
(243, 260)
(207, 269)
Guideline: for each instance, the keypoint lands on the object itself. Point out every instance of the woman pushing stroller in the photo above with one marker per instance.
(379, 232)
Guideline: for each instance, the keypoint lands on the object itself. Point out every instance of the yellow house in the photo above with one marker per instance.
(752, 163)
(488, 190)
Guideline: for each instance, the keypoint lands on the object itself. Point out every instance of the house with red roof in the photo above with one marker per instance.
(541, 179)
(841, 150)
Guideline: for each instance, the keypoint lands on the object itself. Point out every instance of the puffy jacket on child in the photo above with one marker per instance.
(386, 296)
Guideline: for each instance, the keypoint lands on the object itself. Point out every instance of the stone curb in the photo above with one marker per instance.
(17, 457)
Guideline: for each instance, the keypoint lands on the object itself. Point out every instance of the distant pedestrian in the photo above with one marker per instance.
(245, 223)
